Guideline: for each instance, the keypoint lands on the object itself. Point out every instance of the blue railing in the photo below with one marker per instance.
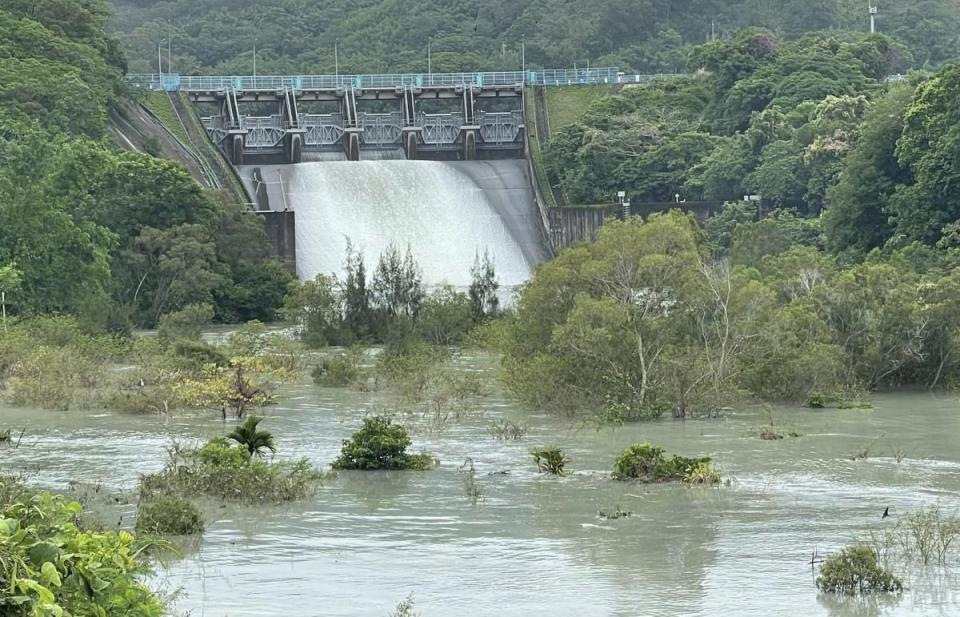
(172, 82)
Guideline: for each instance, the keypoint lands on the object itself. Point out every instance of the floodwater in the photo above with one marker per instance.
(533, 545)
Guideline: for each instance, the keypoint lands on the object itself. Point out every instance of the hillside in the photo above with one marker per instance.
(292, 36)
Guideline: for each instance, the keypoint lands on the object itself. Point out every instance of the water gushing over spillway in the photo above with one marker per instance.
(447, 213)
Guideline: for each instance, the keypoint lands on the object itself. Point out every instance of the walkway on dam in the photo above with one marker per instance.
(173, 82)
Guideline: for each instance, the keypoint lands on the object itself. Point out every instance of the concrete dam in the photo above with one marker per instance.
(438, 163)
(447, 212)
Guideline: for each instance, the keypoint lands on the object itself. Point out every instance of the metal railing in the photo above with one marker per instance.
(539, 77)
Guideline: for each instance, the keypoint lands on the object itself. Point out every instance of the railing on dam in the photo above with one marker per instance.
(172, 82)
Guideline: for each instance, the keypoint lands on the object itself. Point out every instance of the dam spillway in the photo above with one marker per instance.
(446, 212)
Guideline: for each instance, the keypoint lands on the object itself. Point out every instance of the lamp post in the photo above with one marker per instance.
(873, 17)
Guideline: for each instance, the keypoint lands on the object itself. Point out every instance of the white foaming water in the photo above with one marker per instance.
(441, 213)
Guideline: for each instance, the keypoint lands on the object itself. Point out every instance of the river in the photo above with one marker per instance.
(533, 544)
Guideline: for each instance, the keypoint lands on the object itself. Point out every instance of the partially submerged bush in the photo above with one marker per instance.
(380, 444)
(550, 460)
(169, 515)
(648, 463)
(702, 473)
(856, 570)
(219, 469)
(340, 369)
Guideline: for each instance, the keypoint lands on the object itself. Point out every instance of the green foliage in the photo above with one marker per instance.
(340, 369)
(380, 444)
(52, 565)
(550, 460)
(169, 515)
(447, 315)
(187, 323)
(855, 570)
(228, 472)
(484, 302)
(648, 463)
(252, 438)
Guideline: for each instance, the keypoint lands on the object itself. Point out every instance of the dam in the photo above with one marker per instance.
(437, 163)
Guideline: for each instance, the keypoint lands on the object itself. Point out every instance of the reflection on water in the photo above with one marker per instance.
(534, 545)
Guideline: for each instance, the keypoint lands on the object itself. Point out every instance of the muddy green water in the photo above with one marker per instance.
(534, 545)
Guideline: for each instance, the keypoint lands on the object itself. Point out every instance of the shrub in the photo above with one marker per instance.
(855, 570)
(187, 323)
(228, 472)
(702, 473)
(339, 370)
(550, 460)
(51, 565)
(648, 463)
(169, 515)
(380, 444)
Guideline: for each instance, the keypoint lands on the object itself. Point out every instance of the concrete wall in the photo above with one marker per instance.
(569, 226)
(282, 233)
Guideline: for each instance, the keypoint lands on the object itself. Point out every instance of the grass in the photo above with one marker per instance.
(536, 152)
(160, 105)
(566, 105)
(209, 151)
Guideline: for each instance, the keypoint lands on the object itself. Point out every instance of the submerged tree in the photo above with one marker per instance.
(484, 302)
(398, 284)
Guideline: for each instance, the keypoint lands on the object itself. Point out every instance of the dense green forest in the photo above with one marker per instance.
(292, 36)
(117, 238)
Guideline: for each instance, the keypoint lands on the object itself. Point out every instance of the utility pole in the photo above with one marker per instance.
(254, 62)
(336, 60)
(430, 57)
(169, 38)
(160, 61)
(523, 58)
(873, 16)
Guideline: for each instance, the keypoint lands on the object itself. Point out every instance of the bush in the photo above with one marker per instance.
(187, 323)
(339, 370)
(550, 460)
(380, 444)
(51, 565)
(648, 463)
(855, 570)
(169, 515)
(228, 472)
(702, 473)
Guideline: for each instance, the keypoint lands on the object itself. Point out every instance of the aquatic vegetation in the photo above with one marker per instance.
(219, 469)
(380, 444)
(405, 608)
(550, 460)
(928, 535)
(615, 514)
(247, 383)
(855, 570)
(702, 473)
(508, 430)
(50, 564)
(648, 463)
(169, 515)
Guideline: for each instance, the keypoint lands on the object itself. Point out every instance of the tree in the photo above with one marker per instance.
(928, 149)
(10, 279)
(357, 314)
(254, 440)
(379, 444)
(483, 289)
(856, 220)
(397, 284)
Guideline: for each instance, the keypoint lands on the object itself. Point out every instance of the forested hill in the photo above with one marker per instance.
(294, 36)
(118, 239)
